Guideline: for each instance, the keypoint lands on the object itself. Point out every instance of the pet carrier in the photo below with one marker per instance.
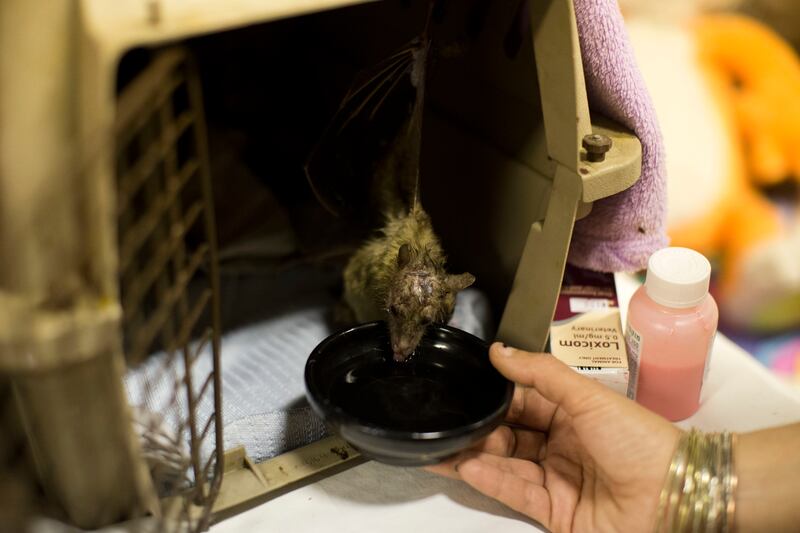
(138, 133)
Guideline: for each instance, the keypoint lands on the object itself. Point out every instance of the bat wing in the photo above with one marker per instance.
(371, 136)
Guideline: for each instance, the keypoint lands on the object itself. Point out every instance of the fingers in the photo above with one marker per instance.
(506, 485)
(527, 470)
(530, 409)
(506, 441)
(446, 468)
(502, 442)
(555, 381)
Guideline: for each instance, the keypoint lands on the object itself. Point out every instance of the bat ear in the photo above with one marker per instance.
(404, 255)
(457, 282)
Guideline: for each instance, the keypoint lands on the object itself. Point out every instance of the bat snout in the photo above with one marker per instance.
(402, 349)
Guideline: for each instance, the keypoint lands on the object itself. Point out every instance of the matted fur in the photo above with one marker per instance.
(400, 277)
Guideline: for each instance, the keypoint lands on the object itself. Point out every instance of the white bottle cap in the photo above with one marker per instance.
(677, 277)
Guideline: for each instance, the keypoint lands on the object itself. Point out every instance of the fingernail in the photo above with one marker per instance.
(506, 350)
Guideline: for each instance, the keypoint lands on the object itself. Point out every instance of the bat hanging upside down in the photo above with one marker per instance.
(400, 277)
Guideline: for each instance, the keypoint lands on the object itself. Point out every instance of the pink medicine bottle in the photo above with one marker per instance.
(672, 321)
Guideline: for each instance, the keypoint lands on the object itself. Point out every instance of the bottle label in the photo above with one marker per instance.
(633, 341)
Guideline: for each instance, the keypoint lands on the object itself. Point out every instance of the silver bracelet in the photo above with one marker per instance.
(699, 492)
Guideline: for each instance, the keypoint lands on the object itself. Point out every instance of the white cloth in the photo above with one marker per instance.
(263, 390)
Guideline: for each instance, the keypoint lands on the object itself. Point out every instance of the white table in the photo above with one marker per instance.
(740, 395)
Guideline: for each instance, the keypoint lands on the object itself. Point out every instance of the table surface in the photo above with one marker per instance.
(739, 395)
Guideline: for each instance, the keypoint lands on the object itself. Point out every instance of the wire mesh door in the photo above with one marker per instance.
(169, 283)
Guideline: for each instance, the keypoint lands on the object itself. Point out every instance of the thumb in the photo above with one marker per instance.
(554, 380)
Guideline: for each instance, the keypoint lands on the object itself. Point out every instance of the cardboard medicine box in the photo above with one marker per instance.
(586, 332)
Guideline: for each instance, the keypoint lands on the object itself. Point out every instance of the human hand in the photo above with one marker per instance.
(576, 457)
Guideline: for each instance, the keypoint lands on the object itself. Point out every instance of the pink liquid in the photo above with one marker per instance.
(675, 344)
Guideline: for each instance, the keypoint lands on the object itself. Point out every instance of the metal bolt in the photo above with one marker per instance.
(596, 146)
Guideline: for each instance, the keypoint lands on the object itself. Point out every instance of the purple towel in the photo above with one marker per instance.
(622, 230)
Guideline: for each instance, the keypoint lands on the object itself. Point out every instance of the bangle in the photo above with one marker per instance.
(698, 494)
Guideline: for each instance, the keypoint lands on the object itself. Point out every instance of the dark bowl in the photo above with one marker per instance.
(443, 399)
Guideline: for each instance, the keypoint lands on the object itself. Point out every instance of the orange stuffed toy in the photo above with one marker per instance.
(727, 92)
(761, 83)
